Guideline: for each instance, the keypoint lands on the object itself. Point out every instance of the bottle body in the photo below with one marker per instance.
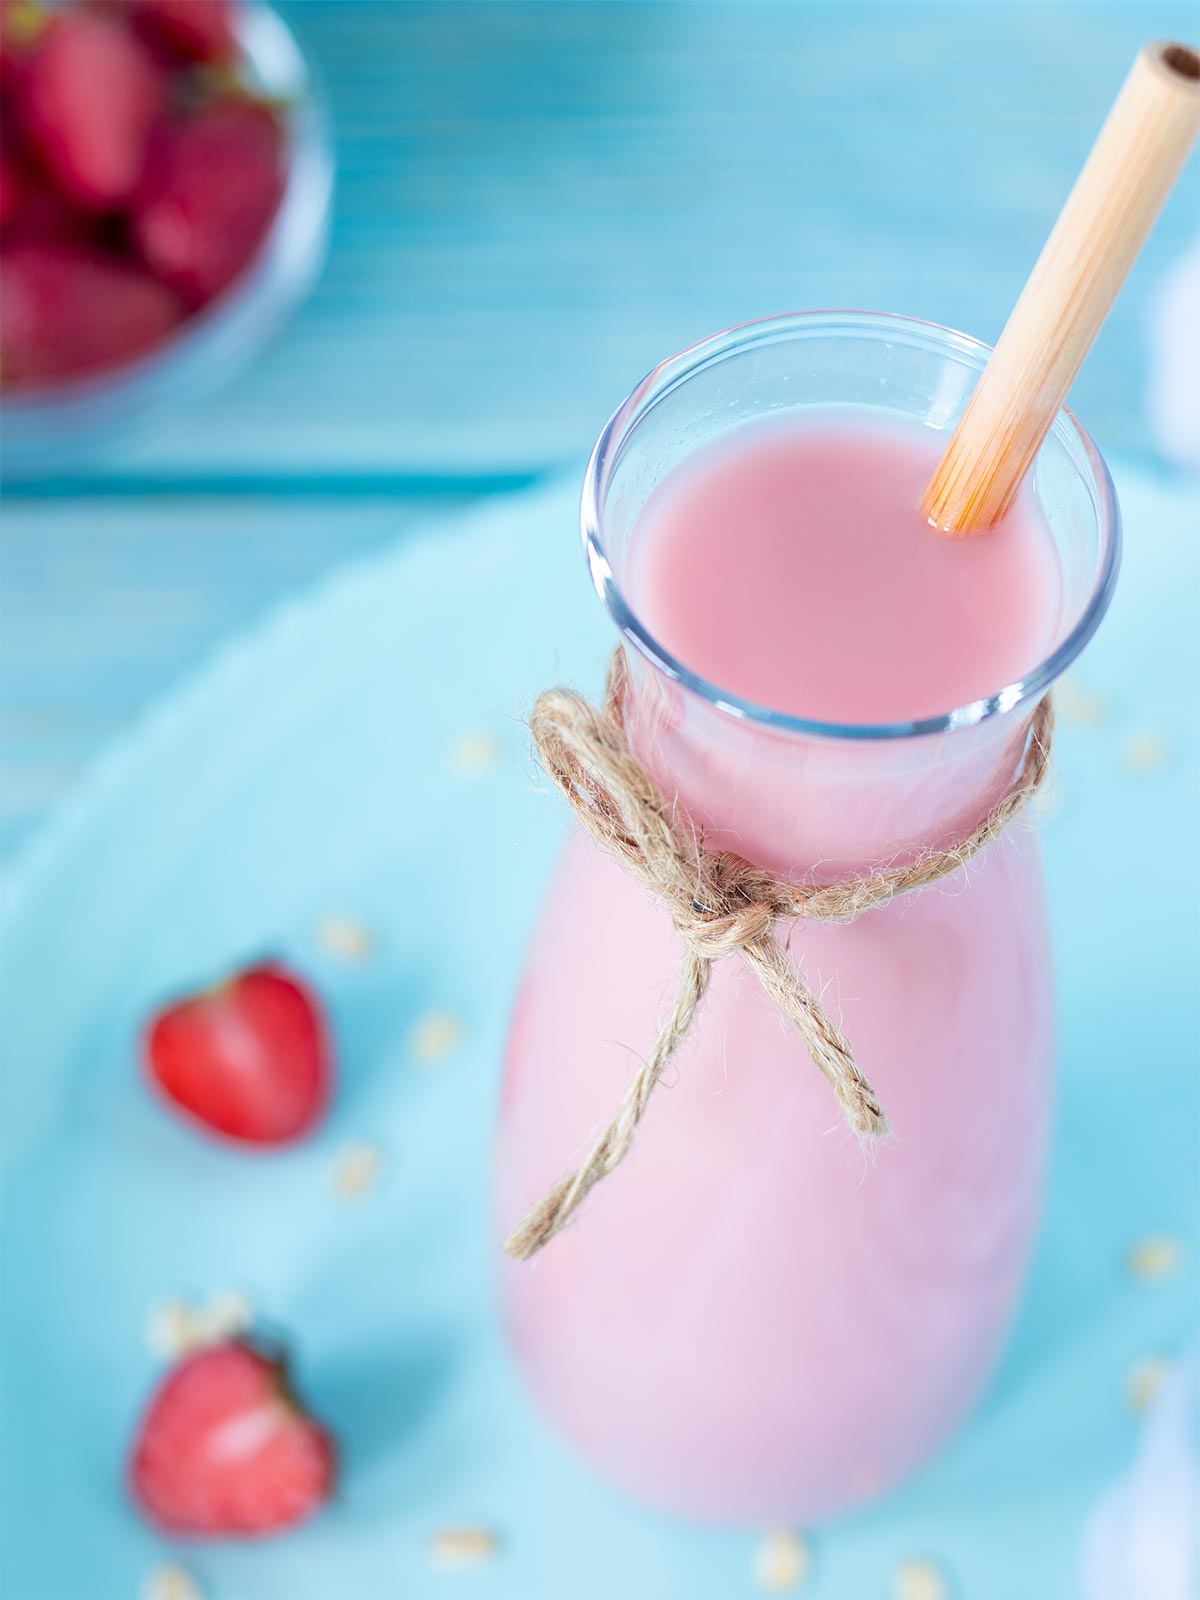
(755, 1319)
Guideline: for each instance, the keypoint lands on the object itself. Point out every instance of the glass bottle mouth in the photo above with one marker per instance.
(930, 337)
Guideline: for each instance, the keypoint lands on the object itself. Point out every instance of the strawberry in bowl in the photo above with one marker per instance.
(209, 191)
(164, 195)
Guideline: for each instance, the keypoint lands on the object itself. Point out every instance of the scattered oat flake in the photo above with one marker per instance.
(1145, 1380)
(170, 1583)
(463, 1547)
(919, 1580)
(358, 1169)
(472, 755)
(1145, 751)
(345, 937)
(1080, 705)
(171, 1329)
(226, 1313)
(174, 1327)
(1156, 1257)
(781, 1562)
(434, 1036)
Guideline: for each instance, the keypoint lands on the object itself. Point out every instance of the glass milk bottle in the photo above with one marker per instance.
(753, 1319)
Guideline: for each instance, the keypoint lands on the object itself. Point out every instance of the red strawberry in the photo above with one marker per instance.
(90, 98)
(30, 206)
(249, 1058)
(40, 211)
(193, 30)
(225, 1447)
(67, 308)
(212, 188)
(12, 185)
(22, 22)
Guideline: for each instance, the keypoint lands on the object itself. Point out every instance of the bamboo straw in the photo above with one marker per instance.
(1133, 163)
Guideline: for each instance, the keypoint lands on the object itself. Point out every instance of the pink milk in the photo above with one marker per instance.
(753, 1319)
(791, 565)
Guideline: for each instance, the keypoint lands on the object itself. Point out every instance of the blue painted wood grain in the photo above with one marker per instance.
(536, 202)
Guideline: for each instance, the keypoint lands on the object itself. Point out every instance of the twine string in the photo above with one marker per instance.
(720, 905)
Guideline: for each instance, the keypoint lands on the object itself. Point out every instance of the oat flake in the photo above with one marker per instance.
(1080, 705)
(462, 1547)
(226, 1313)
(434, 1037)
(345, 937)
(171, 1583)
(1145, 1380)
(919, 1580)
(472, 755)
(1155, 1257)
(782, 1562)
(357, 1171)
(171, 1329)
(1145, 752)
(176, 1327)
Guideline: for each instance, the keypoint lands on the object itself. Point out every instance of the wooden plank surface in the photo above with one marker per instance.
(538, 201)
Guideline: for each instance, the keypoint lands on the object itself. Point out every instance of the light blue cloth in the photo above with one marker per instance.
(311, 772)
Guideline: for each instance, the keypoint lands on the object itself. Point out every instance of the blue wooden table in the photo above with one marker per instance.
(536, 202)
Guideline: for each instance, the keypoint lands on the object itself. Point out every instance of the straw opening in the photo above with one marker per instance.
(1181, 62)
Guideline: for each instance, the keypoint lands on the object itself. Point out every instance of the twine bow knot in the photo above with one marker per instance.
(720, 905)
(726, 913)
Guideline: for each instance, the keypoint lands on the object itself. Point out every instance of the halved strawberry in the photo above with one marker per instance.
(90, 96)
(212, 188)
(225, 1447)
(249, 1058)
(68, 309)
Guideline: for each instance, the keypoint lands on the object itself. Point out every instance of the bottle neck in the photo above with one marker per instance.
(815, 808)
